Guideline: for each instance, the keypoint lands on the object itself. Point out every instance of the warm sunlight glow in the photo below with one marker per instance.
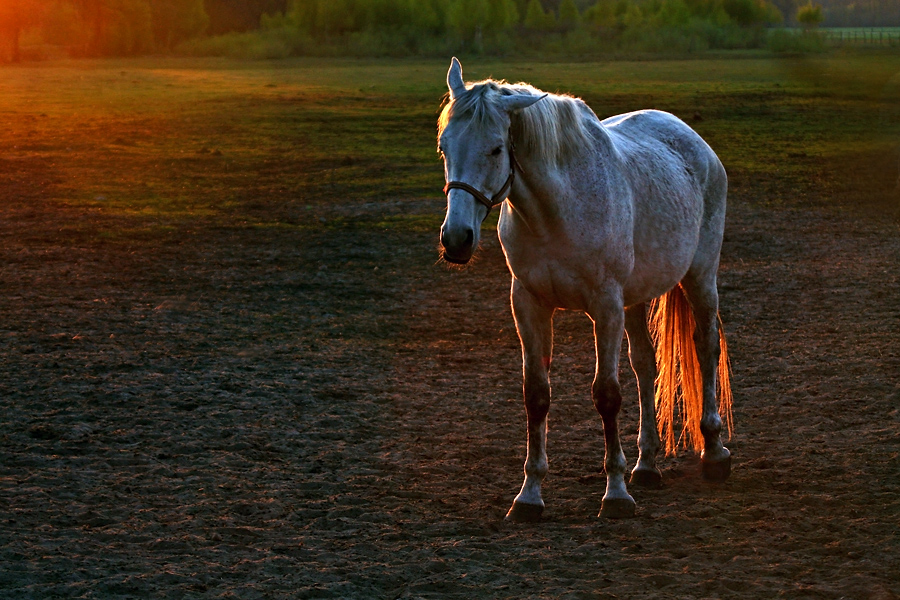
(16, 16)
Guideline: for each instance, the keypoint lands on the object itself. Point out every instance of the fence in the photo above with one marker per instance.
(861, 36)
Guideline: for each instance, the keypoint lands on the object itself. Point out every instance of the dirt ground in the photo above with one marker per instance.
(227, 412)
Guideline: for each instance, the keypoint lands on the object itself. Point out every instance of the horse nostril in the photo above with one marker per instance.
(459, 239)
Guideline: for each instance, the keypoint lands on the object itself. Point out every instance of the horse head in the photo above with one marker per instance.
(479, 160)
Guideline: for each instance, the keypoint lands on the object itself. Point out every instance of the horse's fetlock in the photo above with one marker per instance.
(538, 468)
(711, 425)
(614, 464)
(648, 441)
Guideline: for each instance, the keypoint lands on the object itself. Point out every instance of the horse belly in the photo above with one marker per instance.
(664, 249)
(652, 280)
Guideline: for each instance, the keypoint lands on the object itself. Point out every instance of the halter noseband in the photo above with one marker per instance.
(500, 196)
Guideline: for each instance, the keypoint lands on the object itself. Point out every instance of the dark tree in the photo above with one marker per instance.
(239, 15)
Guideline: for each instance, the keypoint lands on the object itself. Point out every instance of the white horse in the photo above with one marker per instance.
(602, 217)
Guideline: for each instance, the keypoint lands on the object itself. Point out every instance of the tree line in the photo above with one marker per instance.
(102, 27)
(860, 13)
(406, 27)
(501, 26)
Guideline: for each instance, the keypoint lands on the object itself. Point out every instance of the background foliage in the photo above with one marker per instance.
(280, 28)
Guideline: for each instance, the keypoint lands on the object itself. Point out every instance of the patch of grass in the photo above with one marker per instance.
(179, 141)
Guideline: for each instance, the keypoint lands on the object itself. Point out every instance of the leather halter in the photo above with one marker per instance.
(500, 196)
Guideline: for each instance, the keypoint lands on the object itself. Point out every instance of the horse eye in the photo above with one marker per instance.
(496, 151)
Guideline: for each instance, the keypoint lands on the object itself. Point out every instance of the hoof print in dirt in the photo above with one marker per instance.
(617, 508)
(647, 479)
(524, 513)
(716, 471)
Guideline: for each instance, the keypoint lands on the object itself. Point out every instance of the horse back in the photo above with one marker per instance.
(677, 186)
(658, 148)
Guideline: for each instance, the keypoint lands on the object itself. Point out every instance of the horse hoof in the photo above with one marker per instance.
(617, 508)
(646, 478)
(524, 513)
(717, 471)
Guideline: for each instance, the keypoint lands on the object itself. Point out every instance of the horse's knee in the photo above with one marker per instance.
(537, 397)
(607, 397)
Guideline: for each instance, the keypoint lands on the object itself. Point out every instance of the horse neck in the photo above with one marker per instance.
(542, 188)
(532, 200)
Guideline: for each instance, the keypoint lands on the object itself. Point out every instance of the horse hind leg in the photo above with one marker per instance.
(704, 302)
(643, 363)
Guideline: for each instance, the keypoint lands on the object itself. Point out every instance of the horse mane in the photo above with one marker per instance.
(550, 130)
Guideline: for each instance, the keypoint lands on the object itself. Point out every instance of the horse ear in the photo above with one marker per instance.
(455, 78)
(519, 101)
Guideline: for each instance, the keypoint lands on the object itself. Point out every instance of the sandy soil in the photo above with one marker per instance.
(328, 413)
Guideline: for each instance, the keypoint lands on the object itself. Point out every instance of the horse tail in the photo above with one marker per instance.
(679, 384)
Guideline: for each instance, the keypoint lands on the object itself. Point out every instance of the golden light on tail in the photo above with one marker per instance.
(724, 379)
(679, 385)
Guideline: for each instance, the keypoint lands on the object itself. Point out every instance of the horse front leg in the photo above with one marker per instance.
(534, 322)
(609, 320)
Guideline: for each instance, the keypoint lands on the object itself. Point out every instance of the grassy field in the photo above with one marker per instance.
(230, 366)
(167, 142)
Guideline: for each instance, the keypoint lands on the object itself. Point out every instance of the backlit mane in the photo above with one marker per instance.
(551, 129)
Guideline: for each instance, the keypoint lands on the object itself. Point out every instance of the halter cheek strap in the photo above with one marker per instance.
(501, 195)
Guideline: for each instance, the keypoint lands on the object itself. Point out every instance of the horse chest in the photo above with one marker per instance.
(554, 278)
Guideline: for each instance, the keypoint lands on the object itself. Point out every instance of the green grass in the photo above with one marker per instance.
(173, 142)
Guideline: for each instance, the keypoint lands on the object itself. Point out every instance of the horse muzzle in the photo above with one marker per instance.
(458, 244)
